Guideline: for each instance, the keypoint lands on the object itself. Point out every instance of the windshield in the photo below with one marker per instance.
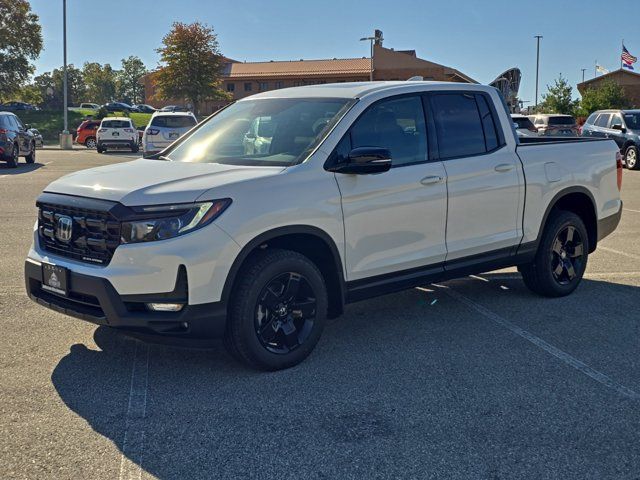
(263, 132)
(632, 120)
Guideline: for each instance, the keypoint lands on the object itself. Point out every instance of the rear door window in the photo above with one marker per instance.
(592, 118)
(460, 126)
(396, 124)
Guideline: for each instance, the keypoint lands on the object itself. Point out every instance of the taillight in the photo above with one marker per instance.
(3, 130)
(102, 130)
(619, 169)
(128, 130)
(152, 131)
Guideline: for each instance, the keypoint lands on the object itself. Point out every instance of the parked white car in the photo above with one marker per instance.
(116, 133)
(164, 128)
(365, 189)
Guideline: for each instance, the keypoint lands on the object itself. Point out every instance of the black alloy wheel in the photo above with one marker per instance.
(567, 255)
(285, 313)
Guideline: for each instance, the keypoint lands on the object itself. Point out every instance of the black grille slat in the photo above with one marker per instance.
(95, 234)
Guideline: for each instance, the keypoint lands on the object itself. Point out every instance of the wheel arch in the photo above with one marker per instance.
(312, 242)
(580, 201)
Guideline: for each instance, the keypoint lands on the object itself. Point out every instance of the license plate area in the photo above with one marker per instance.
(55, 279)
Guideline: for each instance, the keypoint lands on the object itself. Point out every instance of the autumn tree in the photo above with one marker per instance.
(129, 87)
(190, 64)
(20, 44)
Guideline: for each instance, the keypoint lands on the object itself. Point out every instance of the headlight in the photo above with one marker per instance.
(169, 221)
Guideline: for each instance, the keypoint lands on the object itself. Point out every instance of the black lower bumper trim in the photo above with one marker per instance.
(607, 225)
(95, 300)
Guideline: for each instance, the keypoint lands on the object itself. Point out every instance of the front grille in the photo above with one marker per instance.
(94, 234)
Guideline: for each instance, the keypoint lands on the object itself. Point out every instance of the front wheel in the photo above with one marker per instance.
(631, 158)
(561, 259)
(277, 312)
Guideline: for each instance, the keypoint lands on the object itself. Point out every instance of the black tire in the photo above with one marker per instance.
(12, 161)
(135, 148)
(90, 143)
(631, 158)
(561, 259)
(100, 148)
(31, 158)
(272, 328)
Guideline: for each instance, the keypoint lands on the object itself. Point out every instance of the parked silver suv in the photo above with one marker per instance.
(165, 128)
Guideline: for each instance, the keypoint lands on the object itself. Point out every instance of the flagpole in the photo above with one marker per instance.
(621, 50)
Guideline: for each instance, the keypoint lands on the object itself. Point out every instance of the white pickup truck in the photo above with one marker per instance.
(364, 189)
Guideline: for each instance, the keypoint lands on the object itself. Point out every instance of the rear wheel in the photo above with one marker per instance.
(135, 148)
(631, 157)
(14, 157)
(561, 260)
(31, 158)
(277, 312)
(90, 143)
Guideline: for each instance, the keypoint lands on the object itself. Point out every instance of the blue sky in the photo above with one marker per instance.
(480, 38)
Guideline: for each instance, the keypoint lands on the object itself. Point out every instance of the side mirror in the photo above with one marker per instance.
(365, 161)
(618, 126)
(27, 126)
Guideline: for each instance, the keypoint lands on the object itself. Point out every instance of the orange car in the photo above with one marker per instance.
(86, 133)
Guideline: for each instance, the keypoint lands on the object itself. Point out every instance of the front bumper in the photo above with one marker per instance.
(95, 300)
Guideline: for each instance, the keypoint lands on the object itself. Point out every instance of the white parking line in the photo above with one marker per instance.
(631, 210)
(537, 341)
(47, 163)
(133, 443)
(626, 254)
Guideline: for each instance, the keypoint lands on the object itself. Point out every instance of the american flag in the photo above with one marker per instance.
(627, 57)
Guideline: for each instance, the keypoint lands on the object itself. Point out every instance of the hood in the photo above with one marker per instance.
(154, 182)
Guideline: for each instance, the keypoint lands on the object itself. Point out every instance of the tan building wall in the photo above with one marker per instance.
(244, 79)
(629, 81)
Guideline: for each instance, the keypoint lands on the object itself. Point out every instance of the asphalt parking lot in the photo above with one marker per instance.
(475, 378)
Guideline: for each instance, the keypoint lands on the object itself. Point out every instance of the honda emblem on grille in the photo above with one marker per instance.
(64, 228)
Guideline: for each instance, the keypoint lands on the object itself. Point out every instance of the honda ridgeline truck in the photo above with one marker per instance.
(361, 189)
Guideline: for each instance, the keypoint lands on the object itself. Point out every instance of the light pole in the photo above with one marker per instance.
(537, 37)
(583, 70)
(66, 140)
(372, 40)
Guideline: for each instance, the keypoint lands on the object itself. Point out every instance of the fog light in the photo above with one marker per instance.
(165, 307)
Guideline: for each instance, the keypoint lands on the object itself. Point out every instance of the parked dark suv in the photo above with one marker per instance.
(623, 126)
(15, 140)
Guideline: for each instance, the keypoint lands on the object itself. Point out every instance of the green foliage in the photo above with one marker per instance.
(29, 94)
(608, 95)
(129, 88)
(559, 98)
(100, 82)
(190, 64)
(20, 43)
(50, 85)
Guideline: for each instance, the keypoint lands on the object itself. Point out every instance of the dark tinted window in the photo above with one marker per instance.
(182, 121)
(632, 120)
(591, 119)
(458, 125)
(603, 120)
(488, 125)
(523, 122)
(561, 121)
(396, 124)
(116, 124)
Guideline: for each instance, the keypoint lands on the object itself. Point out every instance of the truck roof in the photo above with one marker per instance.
(361, 89)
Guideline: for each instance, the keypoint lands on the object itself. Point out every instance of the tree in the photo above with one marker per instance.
(558, 98)
(20, 43)
(100, 82)
(190, 64)
(51, 85)
(129, 87)
(609, 95)
(30, 94)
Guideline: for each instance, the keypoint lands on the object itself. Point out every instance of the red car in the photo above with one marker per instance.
(86, 133)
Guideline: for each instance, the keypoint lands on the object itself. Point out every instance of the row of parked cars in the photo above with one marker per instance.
(112, 107)
(119, 132)
(622, 126)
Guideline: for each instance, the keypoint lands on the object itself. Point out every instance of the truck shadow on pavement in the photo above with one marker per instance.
(399, 386)
(20, 169)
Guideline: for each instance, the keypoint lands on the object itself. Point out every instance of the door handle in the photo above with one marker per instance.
(431, 180)
(504, 167)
